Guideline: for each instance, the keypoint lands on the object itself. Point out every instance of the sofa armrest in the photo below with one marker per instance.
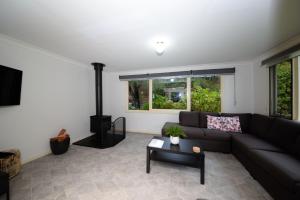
(167, 125)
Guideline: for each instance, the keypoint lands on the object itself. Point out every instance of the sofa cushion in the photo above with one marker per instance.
(283, 167)
(249, 141)
(203, 118)
(285, 133)
(189, 118)
(260, 125)
(200, 133)
(212, 134)
(193, 132)
(244, 119)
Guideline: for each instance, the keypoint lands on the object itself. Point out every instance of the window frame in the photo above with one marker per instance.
(296, 87)
(166, 111)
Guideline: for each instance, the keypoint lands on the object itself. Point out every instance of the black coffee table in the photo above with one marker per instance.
(179, 154)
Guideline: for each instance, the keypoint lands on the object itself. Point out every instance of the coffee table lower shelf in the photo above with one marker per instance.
(181, 159)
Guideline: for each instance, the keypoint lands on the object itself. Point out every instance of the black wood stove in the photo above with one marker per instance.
(107, 133)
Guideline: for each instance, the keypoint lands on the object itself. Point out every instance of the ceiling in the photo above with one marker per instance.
(119, 33)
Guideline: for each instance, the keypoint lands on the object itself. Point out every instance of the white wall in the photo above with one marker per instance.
(56, 93)
(261, 77)
(115, 102)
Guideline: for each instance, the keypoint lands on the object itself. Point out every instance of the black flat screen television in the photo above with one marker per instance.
(10, 86)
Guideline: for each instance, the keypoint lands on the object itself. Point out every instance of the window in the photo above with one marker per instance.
(281, 90)
(175, 94)
(205, 94)
(169, 93)
(138, 95)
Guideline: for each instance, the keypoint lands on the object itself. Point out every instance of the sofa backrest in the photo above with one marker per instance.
(260, 125)
(189, 118)
(244, 120)
(199, 119)
(297, 149)
(286, 134)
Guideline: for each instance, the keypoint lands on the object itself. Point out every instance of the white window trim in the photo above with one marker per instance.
(222, 91)
(295, 90)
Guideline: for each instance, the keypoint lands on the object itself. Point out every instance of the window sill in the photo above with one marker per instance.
(156, 111)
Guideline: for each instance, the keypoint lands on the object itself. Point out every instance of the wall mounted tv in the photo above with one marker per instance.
(10, 86)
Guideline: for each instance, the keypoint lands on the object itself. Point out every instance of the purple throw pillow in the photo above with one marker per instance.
(228, 124)
(231, 124)
(214, 122)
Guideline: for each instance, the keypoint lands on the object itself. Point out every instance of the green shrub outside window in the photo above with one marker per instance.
(205, 94)
(169, 93)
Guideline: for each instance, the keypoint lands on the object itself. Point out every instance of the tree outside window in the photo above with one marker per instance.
(284, 89)
(138, 91)
(205, 94)
(281, 89)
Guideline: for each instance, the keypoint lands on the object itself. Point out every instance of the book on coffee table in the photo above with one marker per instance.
(156, 143)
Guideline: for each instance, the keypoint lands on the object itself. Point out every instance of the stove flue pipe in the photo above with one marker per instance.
(98, 80)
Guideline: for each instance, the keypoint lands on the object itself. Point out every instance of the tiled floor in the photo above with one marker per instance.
(119, 173)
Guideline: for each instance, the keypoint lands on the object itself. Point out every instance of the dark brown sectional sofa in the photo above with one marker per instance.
(269, 148)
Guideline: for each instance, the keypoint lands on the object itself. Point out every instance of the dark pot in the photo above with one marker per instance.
(60, 147)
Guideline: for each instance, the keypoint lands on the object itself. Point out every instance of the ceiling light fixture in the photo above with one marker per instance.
(160, 47)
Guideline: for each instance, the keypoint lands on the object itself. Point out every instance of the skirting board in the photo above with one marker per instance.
(35, 157)
(48, 152)
(144, 132)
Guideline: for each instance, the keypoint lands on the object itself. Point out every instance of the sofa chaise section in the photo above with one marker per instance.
(268, 147)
